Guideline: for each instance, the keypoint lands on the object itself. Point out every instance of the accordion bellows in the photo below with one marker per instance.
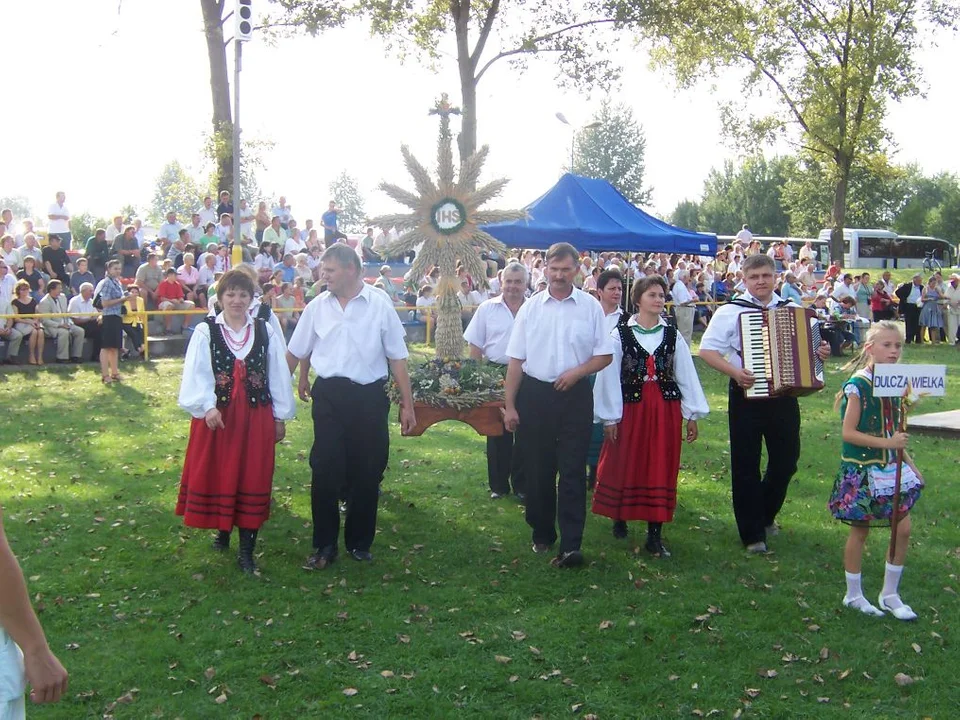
(780, 348)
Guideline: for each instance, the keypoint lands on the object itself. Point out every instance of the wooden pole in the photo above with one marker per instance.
(895, 515)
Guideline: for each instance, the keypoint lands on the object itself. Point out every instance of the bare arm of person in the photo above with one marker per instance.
(47, 677)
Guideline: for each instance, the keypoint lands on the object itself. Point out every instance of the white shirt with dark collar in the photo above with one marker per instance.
(552, 336)
(354, 342)
(490, 329)
(723, 332)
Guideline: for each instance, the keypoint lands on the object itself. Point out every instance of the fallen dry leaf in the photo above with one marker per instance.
(387, 674)
(269, 680)
(824, 653)
(518, 635)
(768, 673)
(752, 692)
(210, 673)
(605, 624)
(502, 659)
(916, 648)
(350, 692)
(405, 639)
(513, 678)
(813, 628)
(221, 699)
(902, 679)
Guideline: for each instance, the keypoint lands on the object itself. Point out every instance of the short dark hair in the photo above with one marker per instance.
(561, 250)
(53, 284)
(234, 280)
(606, 276)
(756, 261)
(644, 284)
(343, 255)
(170, 272)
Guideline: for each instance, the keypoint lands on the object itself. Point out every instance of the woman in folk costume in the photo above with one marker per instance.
(642, 399)
(237, 387)
(610, 290)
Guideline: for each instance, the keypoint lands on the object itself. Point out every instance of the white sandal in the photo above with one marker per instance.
(904, 612)
(865, 607)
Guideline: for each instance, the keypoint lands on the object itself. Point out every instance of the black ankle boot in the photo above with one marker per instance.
(222, 541)
(248, 541)
(654, 544)
(620, 529)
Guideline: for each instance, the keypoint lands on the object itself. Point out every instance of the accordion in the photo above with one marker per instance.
(780, 348)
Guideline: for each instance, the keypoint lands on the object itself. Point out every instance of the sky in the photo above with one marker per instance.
(100, 100)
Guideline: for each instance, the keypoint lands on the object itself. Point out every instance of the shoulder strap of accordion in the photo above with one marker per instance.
(746, 304)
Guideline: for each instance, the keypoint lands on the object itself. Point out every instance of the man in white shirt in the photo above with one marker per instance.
(207, 213)
(195, 228)
(246, 220)
(59, 220)
(952, 311)
(115, 228)
(170, 230)
(275, 233)
(683, 305)
(7, 282)
(559, 338)
(844, 288)
(745, 237)
(488, 334)
(224, 230)
(349, 334)
(774, 421)
(83, 303)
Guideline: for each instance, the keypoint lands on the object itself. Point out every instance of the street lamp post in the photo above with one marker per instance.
(573, 137)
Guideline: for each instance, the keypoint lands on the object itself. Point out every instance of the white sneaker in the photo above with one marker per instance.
(863, 605)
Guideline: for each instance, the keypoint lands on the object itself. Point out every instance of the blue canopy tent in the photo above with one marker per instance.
(591, 214)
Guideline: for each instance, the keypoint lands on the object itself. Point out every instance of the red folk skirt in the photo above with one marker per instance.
(228, 473)
(637, 475)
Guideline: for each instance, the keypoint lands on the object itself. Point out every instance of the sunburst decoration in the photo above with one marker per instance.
(446, 219)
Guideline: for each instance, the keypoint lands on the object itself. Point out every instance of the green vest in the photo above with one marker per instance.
(871, 423)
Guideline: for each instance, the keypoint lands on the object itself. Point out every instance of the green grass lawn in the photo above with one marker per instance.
(457, 617)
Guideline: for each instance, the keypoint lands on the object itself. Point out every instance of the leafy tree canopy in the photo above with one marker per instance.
(614, 150)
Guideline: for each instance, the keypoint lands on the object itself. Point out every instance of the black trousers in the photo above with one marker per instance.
(505, 463)
(776, 422)
(911, 318)
(91, 329)
(554, 436)
(349, 454)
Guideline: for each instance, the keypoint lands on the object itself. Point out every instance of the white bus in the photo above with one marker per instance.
(864, 248)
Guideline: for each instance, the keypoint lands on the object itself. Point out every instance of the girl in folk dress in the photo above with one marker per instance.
(863, 490)
(642, 398)
(236, 385)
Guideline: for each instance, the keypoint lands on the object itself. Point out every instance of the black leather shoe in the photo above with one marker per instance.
(360, 555)
(573, 558)
(62, 362)
(76, 360)
(322, 558)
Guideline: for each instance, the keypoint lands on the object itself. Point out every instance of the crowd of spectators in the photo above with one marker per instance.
(176, 272)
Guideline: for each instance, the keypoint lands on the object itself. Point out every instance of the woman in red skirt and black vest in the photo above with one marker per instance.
(237, 387)
(642, 399)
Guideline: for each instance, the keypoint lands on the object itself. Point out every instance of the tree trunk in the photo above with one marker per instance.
(220, 91)
(839, 213)
(467, 140)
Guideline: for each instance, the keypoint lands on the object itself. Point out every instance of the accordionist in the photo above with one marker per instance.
(773, 421)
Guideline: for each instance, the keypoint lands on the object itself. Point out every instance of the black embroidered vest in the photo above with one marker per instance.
(634, 365)
(258, 390)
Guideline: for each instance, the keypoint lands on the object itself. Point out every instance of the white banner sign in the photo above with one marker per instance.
(895, 380)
